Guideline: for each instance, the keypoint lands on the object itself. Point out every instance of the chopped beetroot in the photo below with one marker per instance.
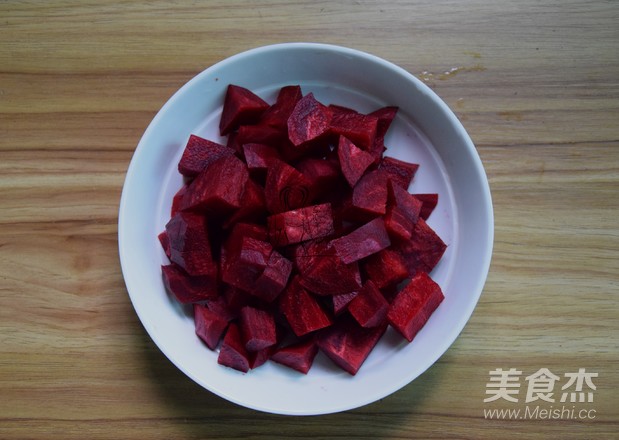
(341, 301)
(300, 224)
(242, 230)
(359, 128)
(253, 205)
(362, 242)
(385, 268)
(232, 352)
(353, 161)
(165, 242)
(199, 153)
(219, 189)
(399, 171)
(413, 306)
(245, 265)
(298, 235)
(260, 357)
(370, 193)
(257, 328)
(259, 158)
(220, 307)
(403, 211)
(302, 311)
(177, 200)
(428, 203)
(274, 278)
(277, 115)
(286, 188)
(369, 307)
(324, 273)
(400, 198)
(348, 344)
(322, 175)
(309, 121)
(398, 224)
(189, 243)
(188, 289)
(299, 356)
(209, 325)
(236, 299)
(385, 116)
(259, 134)
(424, 249)
(241, 106)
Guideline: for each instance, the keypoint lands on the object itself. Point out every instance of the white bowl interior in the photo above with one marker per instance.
(425, 131)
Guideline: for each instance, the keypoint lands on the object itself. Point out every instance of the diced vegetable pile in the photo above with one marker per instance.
(299, 235)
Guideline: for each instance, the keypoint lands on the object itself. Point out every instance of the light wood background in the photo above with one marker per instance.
(536, 84)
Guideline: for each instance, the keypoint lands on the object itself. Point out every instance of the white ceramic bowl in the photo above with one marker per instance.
(425, 131)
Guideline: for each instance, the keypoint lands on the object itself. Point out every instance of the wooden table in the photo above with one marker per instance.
(535, 84)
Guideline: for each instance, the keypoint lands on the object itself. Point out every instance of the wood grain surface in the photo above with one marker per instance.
(534, 82)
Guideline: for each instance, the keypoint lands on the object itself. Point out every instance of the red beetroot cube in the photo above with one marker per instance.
(300, 225)
(359, 128)
(189, 244)
(165, 242)
(309, 121)
(274, 278)
(402, 212)
(253, 205)
(385, 268)
(259, 133)
(424, 249)
(232, 352)
(234, 240)
(219, 189)
(428, 203)
(362, 242)
(414, 305)
(399, 171)
(244, 230)
(299, 356)
(404, 201)
(322, 175)
(277, 115)
(341, 302)
(209, 326)
(286, 188)
(241, 106)
(236, 299)
(188, 289)
(259, 158)
(177, 200)
(370, 193)
(221, 308)
(257, 328)
(260, 357)
(385, 116)
(302, 311)
(303, 254)
(369, 307)
(199, 153)
(243, 268)
(353, 161)
(348, 344)
(324, 273)
(398, 224)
